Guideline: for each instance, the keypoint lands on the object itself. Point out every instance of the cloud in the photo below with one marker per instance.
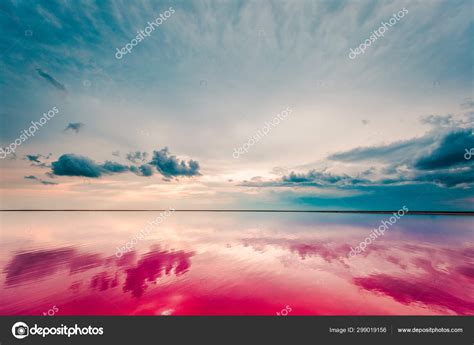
(74, 126)
(314, 177)
(146, 170)
(74, 165)
(467, 103)
(51, 80)
(170, 166)
(439, 120)
(449, 152)
(448, 178)
(437, 157)
(137, 156)
(445, 128)
(445, 177)
(33, 158)
(399, 151)
(31, 177)
(48, 183)
(113, 167)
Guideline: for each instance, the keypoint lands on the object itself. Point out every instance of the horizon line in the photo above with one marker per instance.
(416, 212)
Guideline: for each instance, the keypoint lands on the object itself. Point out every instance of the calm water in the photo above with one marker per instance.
(68, 263)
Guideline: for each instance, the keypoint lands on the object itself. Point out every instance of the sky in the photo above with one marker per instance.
(237, 105)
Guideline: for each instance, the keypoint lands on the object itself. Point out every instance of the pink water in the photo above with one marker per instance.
(234, 264)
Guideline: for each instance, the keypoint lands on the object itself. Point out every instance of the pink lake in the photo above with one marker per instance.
(204, 263)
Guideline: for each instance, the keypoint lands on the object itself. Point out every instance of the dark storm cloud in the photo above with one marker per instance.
(170, 166)
(51, 80)
(449, 153)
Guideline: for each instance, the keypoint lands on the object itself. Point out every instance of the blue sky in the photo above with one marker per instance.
(157, 128)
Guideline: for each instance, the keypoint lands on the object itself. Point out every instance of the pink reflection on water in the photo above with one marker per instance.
(238, 273)
(152, 266)
(416, 291)
(37, 265)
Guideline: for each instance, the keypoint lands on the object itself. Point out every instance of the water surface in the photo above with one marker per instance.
(233, 264)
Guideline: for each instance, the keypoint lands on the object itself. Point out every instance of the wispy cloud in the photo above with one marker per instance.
(33, 158)
(38, 160)
(51, 80)
(137, 156)
(44, 182)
